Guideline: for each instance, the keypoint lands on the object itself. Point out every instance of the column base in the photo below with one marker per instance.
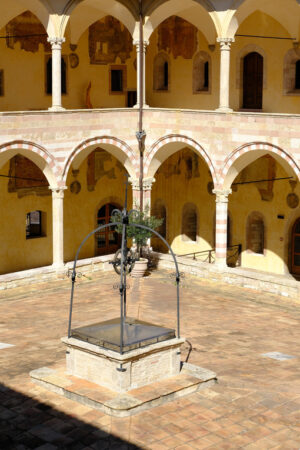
(144, 106)
(224, 109)
(221, 263)
(59, 267)
(56, 108)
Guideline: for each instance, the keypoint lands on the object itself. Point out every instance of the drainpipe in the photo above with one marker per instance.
(141, 134)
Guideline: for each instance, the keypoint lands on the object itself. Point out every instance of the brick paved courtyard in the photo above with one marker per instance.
(255, 405)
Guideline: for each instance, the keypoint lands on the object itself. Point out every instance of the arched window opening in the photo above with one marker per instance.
(253, 81)
(296, 248)
(49, 76)
(166, 75)
(189, 222)
(161, 73)
(297, 74)
(159, 211)
(255, 233)
(201, 72)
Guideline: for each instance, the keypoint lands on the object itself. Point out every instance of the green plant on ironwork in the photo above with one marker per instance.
(140, 236)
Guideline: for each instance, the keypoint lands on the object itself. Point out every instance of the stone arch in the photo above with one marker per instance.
(286, 14)
(116, 147)
(246, 154)
(40, 8)
(199, 13)
(81, 14)
(156, 157)
(37, 154)
(239, 64)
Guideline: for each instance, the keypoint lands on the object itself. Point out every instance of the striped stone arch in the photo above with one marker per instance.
(37, 154)
(172, 139)
(124, 153)
(246, 154)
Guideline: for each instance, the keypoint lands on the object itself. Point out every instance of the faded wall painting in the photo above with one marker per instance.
(109, 39)
(185, 161)
(32, 33)
(177, 36)
(27, 178)
(102, 164)
(263, 168)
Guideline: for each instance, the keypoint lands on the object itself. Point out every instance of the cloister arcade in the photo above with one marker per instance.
(220, 106)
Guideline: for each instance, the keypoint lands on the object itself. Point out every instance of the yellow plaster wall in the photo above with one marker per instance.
(17, 252)
(277, 235)
(25, 79)
(261, 24)
(180, 93)
(80, 210)
(177, 190)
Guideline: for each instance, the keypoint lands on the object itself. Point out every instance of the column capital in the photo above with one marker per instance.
(58, 192)
(136, 42)
(222, 195)
(147, 183)
(225, 43)
(56, 42)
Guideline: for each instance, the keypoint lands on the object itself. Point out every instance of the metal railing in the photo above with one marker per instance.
(233, 255)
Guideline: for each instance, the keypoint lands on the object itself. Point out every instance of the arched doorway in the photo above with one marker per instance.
(108, 240)
(295, 260)
(253, 81)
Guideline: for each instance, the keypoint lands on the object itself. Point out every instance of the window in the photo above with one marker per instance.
(291, 72)
(161, 72)
(49, 75)
(117, 79)
(255, 233)
(189, 222)
(34, 224)
(1, 83)
(297, 75)
(201, 72)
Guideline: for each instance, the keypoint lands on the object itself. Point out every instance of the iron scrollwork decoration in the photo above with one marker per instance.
(123, 264)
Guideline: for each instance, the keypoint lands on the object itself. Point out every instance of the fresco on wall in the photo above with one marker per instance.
(109, 39)
(102, 164)
(185, 161)
(263, 168)
(177, 36)
(27, 24)
(29, 180)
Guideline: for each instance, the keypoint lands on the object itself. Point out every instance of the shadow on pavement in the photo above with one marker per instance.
(26, 423)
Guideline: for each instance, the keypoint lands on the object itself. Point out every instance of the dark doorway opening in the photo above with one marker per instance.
(253, 81)
(107, 240)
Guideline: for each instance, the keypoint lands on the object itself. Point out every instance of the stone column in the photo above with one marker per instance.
(138, 71)
(135, 185)
(221, 225)
(58, 227)
(225, 44)
(147, 187)
(56, 44)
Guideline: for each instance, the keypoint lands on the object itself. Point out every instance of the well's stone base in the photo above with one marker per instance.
(191, 379)
(125, 372)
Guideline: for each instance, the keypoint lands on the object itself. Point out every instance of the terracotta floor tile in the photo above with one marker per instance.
(256, 402)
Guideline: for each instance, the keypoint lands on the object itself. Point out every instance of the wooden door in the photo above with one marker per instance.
(253, 81)
(296, 247)
(107, 240)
